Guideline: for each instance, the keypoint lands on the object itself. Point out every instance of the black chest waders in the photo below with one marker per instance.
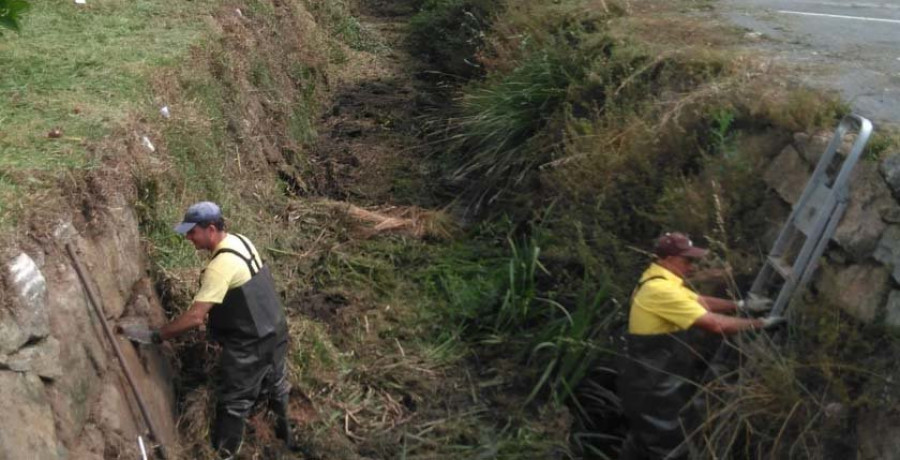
(656, 383)
(250, 326)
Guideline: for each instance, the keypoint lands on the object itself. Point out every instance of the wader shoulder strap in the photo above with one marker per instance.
(643, 282)
(250, 251)
(248, 260)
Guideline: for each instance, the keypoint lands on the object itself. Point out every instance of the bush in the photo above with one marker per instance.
(450, 33)
(517, 308)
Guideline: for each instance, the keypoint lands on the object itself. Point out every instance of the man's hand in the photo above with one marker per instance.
(140, 333)
(754, 304)
(770, 322)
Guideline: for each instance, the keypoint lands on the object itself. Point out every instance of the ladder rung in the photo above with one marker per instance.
(780, 266)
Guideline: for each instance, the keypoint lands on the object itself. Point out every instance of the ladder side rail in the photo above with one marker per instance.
(822, 221)
(817, 177)
(784, 296)
(759, 283)
(803, 257)
(865, 130)
(836, 204)
(823, 243)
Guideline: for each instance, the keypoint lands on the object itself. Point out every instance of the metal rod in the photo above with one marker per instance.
(143, 449)
(115, 345)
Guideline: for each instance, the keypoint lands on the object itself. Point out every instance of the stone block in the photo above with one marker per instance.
(811, 147)
(27, 319)
(114, 261)
(788, 174)
(890, 171)
(41, 358)
(81, 349)
(859, 290)
(862, 225)
(27, 429)
(112, 411)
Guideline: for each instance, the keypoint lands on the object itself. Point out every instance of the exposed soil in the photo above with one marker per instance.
(369, 137)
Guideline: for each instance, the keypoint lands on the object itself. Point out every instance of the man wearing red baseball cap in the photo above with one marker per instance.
(657, 380)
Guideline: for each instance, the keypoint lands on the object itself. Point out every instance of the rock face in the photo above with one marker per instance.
(868, 234)
(788, 174)
(890, 170)
(27, 430)
(859, 290)
(862, 272)
(26, 319)
(60, 383)
(862, 226)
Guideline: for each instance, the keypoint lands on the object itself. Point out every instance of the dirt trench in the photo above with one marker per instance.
(370, 165)
(369, 150)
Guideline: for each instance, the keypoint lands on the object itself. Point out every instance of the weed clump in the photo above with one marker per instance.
(449, 34)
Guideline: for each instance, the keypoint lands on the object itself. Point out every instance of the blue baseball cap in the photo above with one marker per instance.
(204, 211)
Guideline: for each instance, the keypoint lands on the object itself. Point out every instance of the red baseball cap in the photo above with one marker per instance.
(677, 244)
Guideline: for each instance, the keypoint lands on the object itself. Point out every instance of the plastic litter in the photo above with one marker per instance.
(164, 111)
(145, 141)
(80, 2)
(237, 11)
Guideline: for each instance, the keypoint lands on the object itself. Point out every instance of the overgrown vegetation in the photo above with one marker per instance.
(580, 129)
(608, 115)
(450, 33)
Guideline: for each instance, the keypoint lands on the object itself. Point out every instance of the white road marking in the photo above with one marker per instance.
(884, 6)
(840, 16)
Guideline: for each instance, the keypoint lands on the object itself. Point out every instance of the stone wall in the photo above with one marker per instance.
(63, 389)
(860, 271)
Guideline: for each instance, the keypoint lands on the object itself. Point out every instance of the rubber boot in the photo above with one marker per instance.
(229, 435)
(283, 427)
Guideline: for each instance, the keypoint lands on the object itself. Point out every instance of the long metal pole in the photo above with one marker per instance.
(115, 345)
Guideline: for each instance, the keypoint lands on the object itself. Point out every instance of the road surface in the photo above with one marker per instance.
(850, 46)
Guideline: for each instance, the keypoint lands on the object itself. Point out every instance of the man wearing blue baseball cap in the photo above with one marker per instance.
(238, 302)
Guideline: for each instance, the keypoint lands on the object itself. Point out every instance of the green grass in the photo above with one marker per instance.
(339, 18)
(84, 70)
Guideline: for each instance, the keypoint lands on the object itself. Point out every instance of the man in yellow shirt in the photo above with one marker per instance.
(238, 300)
(657, 381)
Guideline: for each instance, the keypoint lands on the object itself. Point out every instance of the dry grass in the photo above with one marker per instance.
(411, 221)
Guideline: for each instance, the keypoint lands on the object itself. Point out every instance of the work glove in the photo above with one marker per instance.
(140, 333)
(770, 322)
(754, 304)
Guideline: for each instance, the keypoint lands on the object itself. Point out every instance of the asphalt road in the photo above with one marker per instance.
(850, 46)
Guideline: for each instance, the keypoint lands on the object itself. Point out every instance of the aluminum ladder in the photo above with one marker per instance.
(813, 220)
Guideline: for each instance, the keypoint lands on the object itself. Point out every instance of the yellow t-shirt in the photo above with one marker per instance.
(227, 271)
(663, 305)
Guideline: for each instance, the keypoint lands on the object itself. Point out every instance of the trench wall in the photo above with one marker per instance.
(63, 390)
(860, 271)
